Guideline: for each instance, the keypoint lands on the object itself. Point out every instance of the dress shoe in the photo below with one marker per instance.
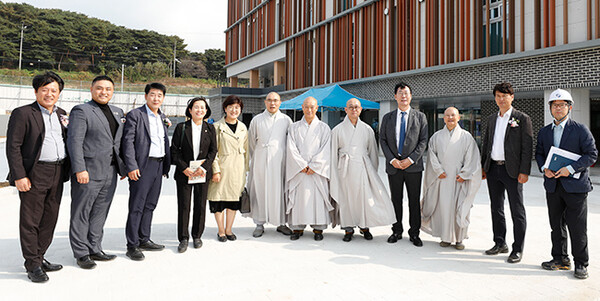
(258, 231)
(497, 249)
(348, 236)
(86, 262)
(554, 264)
(284, 230)
(295, 235)
(37, 275)
(416, 241)
(394, 238)
(318, 235)
(459, 246)
(514, 257)
(367, 234)
(50, 267)
(103, 256)
(444, 244)
(151, 246)
(580, 271)
(135, 254)
(197, 243)
(182, 246)
(222, 238)
(231, 237)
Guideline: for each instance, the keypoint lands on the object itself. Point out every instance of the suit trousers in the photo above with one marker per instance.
(568, 209)
(39, 212)
(412, 180)
(184, 203)
(498, 182)
(143, 197)
(90, 204)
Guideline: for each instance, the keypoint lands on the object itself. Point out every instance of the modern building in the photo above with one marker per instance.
(452, 52)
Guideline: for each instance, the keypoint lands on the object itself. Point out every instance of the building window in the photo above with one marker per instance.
(495, 31)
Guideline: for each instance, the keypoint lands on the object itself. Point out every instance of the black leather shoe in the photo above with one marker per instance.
(296, 235)
(151, 246)
(318, 235)
(580, 272)
(222, 238)
(416, 241)
(497, 249)
(394, 238)
(85, 262)
(37, 275)
(348, 236)
(514, 257)
(284, 230)
(103, 256)
(135, 254)
(231, 237)
(182, 246)
(367, 234)
(50, 267)
(554, 265)
(197, 243)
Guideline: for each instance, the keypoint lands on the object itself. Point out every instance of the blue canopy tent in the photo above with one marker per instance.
(332, 98)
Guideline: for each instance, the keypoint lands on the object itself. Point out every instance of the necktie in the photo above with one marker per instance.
(402, 132)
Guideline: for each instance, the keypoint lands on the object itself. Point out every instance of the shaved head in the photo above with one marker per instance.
(310, 106)
(352, 102)
(272, 102)
(309, 101)
(451, 117)
(453, 109)
(353, 110)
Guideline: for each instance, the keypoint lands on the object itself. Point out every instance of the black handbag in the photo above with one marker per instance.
(245, 201)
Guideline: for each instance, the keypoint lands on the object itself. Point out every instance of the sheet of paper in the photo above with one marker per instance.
(194, 165)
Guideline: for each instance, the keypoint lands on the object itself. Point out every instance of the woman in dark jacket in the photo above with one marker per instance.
(194, 144)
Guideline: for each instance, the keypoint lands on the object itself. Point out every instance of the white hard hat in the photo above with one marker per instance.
(560, 94)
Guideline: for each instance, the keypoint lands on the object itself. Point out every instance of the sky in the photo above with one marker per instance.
(201, 23)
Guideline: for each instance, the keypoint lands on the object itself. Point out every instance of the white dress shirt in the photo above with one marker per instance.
(497, 153)
(196, 136)
(398, 124)
(157, 135)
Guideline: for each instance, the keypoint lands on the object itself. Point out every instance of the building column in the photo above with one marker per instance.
(233, 81)
(254, 80)
(278, 73)
(581, 106)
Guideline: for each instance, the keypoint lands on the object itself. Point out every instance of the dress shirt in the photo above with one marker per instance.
(398, 123)
(497, 153)
(157, 134)
(196, 136)
(53, 146)
(557, 131)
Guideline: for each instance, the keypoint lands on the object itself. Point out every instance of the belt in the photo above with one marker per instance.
(157, 159)
(57, 162)
(498, 162)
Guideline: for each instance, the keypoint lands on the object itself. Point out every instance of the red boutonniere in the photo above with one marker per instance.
(167, 122)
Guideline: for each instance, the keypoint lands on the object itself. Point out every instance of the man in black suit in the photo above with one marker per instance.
(506, 161)
(566, 195)
(145, 150)
(38, 163)
(403, 138)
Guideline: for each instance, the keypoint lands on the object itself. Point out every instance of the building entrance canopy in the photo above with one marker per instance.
(332, 98)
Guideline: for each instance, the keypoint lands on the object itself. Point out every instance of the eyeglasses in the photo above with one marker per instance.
(356, 108)
(559, 105)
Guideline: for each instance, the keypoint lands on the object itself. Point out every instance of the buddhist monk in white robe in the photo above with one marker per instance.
(361, 197)
(307, 173)
(452, 178)
(267, 142)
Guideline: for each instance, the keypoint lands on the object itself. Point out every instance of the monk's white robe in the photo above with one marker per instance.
(308, 195)
(356, 187)
(267, 144)
(446, 203)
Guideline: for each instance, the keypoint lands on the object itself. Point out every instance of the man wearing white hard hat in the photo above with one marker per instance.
(566, 195)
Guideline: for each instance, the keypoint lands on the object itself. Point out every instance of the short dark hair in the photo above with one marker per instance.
(102, 77)
(157, 86)
(191, 103)
(402, 85)
(49, 77)
(231, 100)
(504, 87)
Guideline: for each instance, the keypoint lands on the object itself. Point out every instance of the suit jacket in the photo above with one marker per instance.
(182, 150)
(135, 143)
(576, 138)
(518, 144)
(89, 139)
(24, 138)
(415, 140)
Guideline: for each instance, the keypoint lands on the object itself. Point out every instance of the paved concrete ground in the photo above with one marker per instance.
(275, 268)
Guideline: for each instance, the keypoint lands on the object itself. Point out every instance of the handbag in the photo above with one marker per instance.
(245, 201)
